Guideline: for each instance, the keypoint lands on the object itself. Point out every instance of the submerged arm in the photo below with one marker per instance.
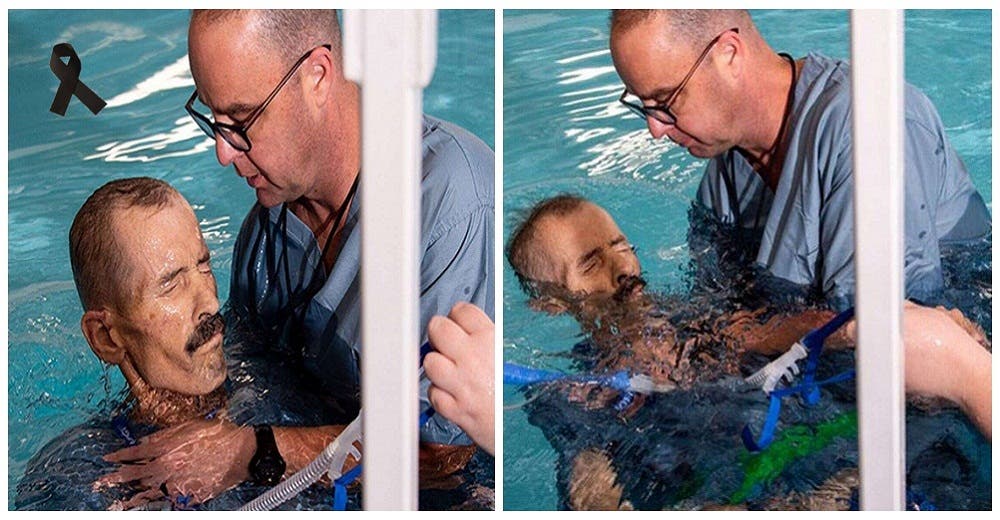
(944, 359)
(944, 353)
(782, 330)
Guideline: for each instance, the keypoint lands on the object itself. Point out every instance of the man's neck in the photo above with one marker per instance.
(327, 216)
(336, 168)
(597, 316)
(164, 408)
(317, 208)
(760, 146)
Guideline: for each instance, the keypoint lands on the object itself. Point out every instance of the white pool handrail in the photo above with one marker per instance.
(391, 54)
(877, 89)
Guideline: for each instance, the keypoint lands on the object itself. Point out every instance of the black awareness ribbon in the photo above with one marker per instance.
(70, 84)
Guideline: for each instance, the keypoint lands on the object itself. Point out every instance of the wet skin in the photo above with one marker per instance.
(652, 66)
(170, 333)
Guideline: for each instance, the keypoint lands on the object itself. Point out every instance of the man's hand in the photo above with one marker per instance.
(191, 462)
(461, 371)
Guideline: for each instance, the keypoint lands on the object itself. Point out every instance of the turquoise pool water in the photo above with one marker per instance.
(136, 61)
(565, 132)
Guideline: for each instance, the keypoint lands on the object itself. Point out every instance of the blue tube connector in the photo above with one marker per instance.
(522, 375)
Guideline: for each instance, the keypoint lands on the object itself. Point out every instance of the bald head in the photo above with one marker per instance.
(285, 32)
(693, 27)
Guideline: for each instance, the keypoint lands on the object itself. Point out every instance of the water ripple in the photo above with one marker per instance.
(175, 75)
(584, 74)
(627, 153)
(114, 33)
(584, 56)
(185, 129)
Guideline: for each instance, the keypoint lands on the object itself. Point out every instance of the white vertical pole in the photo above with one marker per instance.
(392, 55)
(877, 90)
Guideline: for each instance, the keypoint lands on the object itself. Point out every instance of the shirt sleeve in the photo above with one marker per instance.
(456, 268)
(836, 216)
(949, 197)
(457, 234)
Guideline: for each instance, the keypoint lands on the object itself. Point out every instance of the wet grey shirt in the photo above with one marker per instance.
(806, 227)
(280, 284)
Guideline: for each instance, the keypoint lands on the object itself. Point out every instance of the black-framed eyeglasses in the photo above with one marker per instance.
(662, 113)
(236, 135)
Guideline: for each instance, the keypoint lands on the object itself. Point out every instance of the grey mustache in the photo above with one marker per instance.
(210, 326)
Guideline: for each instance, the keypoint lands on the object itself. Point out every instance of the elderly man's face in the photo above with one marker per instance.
(171, 332)
(586, 253)
(234, 74)
(652, 65)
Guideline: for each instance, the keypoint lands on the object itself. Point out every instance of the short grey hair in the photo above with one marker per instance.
(289, 32)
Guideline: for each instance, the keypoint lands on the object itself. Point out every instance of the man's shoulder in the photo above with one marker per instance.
(438, 132)
(457, 173)
(830, 78)
(454, 156)
(826, 86)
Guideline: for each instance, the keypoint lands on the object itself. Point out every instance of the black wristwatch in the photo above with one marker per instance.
(266, 466)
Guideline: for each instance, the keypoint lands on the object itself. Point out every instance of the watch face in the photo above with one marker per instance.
(271, 469)
(267, 469)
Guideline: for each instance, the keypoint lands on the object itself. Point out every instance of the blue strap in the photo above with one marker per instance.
(808, 389)
(120, 425)
(425, 349)
(813, 341)
(340, 485)
(624, 401)
(774, 410)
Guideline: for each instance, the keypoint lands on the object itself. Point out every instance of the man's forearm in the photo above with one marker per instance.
(301, 445)
(975, 397)
(780, 332)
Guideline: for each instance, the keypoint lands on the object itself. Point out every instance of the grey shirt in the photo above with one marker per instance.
(280, 284)
(806, 227)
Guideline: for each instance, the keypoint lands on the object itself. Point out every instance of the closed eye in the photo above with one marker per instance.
(205, 264)
(169, 288)
(623, 247)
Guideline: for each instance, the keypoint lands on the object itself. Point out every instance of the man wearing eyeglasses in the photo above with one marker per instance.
(270, 91)
(777, 133)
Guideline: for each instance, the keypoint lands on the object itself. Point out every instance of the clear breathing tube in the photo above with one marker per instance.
(331, 461)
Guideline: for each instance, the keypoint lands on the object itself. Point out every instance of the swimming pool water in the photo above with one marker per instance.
(564, 131)
(137, 62)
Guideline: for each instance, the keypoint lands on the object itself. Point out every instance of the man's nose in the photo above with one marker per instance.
(224, 151)
(207, 299)
(658, 129)
(621, 270)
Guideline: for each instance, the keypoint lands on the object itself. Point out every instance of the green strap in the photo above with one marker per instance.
(796, 442)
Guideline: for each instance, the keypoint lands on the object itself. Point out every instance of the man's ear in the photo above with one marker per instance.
(549, 304)
(321, 70)
(733, 53)
(97, 329)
